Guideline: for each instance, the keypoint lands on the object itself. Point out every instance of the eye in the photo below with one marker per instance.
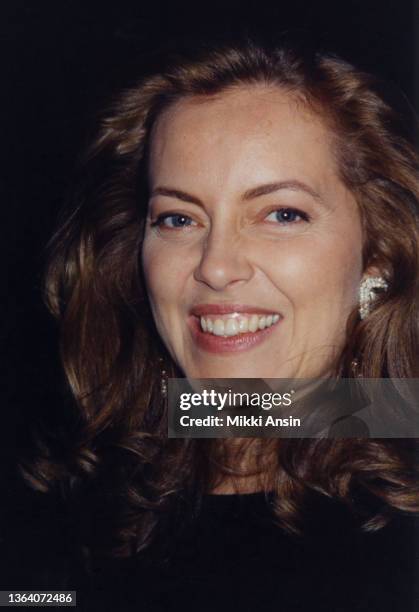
(172, 221)
(287, 216)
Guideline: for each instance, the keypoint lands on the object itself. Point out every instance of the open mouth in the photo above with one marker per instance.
(222, 332)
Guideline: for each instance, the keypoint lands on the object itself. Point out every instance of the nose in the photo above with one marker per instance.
(223, 261)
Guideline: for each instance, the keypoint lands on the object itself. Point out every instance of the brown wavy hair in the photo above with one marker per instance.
(115, 463)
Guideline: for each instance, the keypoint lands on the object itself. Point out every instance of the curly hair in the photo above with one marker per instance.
(115, 463)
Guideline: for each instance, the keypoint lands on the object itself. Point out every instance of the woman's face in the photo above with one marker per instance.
(253, 246)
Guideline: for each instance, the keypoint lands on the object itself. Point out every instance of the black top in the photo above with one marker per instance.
(234, 557)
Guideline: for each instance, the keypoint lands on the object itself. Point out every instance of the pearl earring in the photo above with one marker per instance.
(367, 293)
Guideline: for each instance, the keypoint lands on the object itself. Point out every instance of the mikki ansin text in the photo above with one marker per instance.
(239, 421)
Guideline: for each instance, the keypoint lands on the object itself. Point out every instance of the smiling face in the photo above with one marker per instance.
(253, 246)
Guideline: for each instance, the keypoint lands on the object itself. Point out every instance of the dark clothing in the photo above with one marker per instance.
(234, 557)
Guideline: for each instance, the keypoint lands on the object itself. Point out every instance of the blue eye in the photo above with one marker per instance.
(288, 215)
(172, 221)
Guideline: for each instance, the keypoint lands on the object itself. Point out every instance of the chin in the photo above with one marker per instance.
(222, 369)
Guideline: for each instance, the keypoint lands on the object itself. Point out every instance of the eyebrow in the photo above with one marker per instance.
(250, 194)
(176, 193)
(292, 185)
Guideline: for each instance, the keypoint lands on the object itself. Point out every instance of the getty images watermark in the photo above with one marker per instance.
(210, 398)
(270, 408)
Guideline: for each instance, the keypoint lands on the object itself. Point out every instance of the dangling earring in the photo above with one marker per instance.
(163, 379)
(367, 293)
(355, 368)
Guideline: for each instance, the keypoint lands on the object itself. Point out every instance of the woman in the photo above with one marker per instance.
(231, 209)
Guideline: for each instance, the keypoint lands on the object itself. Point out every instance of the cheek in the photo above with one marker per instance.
(313, 271)
(163, 276)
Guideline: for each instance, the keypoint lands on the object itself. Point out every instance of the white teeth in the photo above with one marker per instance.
(262, 322)
(231, 327)
(218, 329)
(253, 323)
(236, 323)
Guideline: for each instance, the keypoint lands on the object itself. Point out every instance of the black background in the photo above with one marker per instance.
(60, 63)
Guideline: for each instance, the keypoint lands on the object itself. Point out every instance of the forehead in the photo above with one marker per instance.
(241, 131)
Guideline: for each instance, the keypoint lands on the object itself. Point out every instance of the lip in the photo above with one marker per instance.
(208, 309)
(232, 344)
